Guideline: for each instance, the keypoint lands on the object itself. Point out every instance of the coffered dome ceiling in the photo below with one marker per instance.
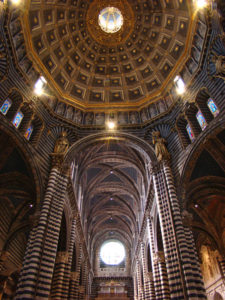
(93, 73)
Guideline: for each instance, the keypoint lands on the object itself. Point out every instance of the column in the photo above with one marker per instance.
(67, 271)
(75, 278)
(147, 284)
(57, 282)
(135, 286)
(82, 287)
(185, 244)
(161, 287)
(73, 290)
(139, 283)
(37, 271)
(180, 275)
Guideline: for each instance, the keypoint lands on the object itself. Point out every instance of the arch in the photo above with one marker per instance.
(29, 159)
(217, 296)
(196, 150)
(140, 145)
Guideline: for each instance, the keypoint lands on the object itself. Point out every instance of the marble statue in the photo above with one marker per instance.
(219, 62)
(161, 151)
(62, 144)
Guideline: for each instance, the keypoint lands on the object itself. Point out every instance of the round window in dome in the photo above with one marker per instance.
(112, 252)
(110, 19)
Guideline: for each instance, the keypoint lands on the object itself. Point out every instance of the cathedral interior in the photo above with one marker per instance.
(112, 149)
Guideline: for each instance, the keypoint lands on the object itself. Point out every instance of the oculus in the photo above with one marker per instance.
(110, 19)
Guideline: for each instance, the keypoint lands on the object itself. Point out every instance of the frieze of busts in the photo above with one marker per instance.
(161, 151)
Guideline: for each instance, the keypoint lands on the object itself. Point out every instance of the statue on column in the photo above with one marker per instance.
(62, 144)
(161, 151)
(60, 149)
(219, 62)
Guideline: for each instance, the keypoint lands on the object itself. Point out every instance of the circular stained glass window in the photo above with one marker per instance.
(112, 252)
(110, 19)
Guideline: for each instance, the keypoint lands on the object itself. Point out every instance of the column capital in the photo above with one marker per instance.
(33, 219)
(74, 275)
(187, 218)
(4, 256)
(155, 167)
(62, 257)
(159, 257)
(81, 289)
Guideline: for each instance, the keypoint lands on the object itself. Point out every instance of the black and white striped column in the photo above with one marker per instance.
(37, 271)
(182, 277)
(57, 282)
(147, 284)
(160, 289)
(188, 259)
(139, 282)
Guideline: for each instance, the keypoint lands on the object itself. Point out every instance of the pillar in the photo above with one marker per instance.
(161, 287)
(75, 278)
(37, 271)
(58, 282)
(148, 291)
(139, 282)
(66, 276)
(181, 276)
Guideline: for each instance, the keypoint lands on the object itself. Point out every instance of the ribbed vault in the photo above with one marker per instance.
(114, 184)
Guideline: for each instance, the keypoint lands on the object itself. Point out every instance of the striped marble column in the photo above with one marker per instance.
(193, 282)
(139, 283)
(147, 285)
(192, 255)
(222, 266)
(75, 278)
(36, 277)
(57, 282)
(168, 235)
(135, 286)
(160, 289)
(73, 288)
(82, 287)
(67, 271)
(181, 276)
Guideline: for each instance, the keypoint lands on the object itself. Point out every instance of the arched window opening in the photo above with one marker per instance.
(190, 133)
(28, 132)
(201, 120)
(212, 107)
(6, 106)
(18, 119)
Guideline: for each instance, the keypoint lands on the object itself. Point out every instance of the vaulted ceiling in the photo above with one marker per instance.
(114, 183)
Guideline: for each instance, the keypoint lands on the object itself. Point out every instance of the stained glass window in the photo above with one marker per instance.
(17, 119)
(190, 133)
(201, 120)
(6, 106)
(212, 107)
(28, 132)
